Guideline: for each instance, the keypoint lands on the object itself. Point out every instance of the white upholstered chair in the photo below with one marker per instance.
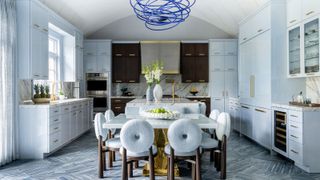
(104, 144)
(184, 138)
(137, 137)
(220, 145)
(214, 114)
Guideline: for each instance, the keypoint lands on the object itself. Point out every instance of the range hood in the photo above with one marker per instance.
(166, 51)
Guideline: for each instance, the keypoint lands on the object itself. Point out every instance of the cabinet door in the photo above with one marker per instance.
(231, 84)
(237, 119)
(310, 8)
(262, 127)
(217, 63)
(118, 69)
(217, 48)
(103, 64)
(293, 12)
(132, 69)
(44, 56)
(232, 116)
(231, 48)
(202, 69)
(294, 51)
(187, 69)
(90, 64)
(311, 47)
(90, 49)
(201, 49)
(217, 84)
(246, 120)
(132, 50)
(65, 135)
(36, 53)
(187, 49)
(217, 103)
(103, 48)
(79, 63)
(230, 63)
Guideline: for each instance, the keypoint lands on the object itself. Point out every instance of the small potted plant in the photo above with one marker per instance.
(61, 95)
(41, 94)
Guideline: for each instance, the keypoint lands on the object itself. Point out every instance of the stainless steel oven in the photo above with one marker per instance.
(97, 88)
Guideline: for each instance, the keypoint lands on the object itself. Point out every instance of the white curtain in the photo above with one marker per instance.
(7, 80)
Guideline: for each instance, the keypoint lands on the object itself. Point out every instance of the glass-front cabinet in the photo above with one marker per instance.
(294, 51)
(303, 49)
(311, 47)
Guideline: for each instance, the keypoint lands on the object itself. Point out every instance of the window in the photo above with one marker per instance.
(54, 56)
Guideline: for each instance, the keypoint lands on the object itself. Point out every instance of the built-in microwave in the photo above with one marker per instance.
(97, 88)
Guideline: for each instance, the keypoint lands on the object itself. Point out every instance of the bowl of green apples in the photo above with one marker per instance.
(160, 113)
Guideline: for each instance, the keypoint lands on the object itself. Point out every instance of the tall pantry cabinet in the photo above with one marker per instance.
(262, 70)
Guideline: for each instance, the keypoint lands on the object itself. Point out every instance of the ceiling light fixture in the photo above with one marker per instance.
(160, 15)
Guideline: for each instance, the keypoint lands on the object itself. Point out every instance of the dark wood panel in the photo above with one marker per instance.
(132, 50)
(187, 69)
(201, 49)
(118, 105)
(118, 69)
(187, 49)
(202, 69)
(133, 71)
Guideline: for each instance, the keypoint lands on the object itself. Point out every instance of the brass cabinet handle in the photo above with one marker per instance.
(201, 54)
(118, 55)
(188, 54)
(117, 107)
(310, 12)
(117, 100)
(118, 81)
(188, 81)
(131, 55)
(201, 80)
(259, 110)
(132, 81)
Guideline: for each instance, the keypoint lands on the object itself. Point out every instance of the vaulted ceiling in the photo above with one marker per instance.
(92, 15)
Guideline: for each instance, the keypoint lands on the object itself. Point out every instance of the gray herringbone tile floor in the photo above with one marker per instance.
(78, 160)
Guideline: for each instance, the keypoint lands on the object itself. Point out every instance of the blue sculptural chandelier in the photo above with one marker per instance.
(160, 15)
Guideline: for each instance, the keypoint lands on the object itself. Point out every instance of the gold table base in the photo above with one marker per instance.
(160, 161)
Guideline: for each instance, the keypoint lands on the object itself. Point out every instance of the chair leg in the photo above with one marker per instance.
(217, 160)
(193, 171)
(151, 164)
(168, 167)
(113, 156)
(100, 156)
(130, 169)
(171, 164)
(224, 158)
(124, 165)
(110, 163)
(198, 165)
(104, 161)
(211, 155)
(136, 164)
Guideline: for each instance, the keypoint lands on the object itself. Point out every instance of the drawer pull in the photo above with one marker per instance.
(45, 30)
(294, 126)
(56, 128)
(55, 141)
(260, 30)
(201, 54)
(294, 151)
(117, 100)
(292, 21)
(36, 75)
(244, 39)
(259, 110)
(294, 116)
(132, 55)
(132, 81)
(118, 55)
(56, 120)
(294, 136)
(56, 111)
(188, 54)
(118, 81)
(202, 80)
(36, 25)
(246, 107)
(188, 81)
(117, 107)
(311, 12)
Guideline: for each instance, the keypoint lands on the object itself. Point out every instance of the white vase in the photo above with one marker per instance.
(157, 93)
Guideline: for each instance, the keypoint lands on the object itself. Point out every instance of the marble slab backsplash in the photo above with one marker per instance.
(313, 89)
(26, 90)
(181, 89)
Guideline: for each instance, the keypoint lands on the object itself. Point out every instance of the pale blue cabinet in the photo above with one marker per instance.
(262, 126)
(246, 116)
(97, 56)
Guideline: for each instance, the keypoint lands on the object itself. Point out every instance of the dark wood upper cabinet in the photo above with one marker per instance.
(126, 63)
(201, 49)
(194, 62)
(187, 49)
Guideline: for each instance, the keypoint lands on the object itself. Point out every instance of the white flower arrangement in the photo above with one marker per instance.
(153, 72)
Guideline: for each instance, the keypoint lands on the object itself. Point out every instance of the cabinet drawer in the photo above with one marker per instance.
(295, 136)
(54, 141)
(295, 126)
(65, 109)
(54, 111)
(295, 151)
(54, 119)
(117, 101)
(295, 116)
(54, 128)
(74, 107)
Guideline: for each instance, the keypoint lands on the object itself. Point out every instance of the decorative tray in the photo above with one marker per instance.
(304, 105)
(168, 115)
(41, 100)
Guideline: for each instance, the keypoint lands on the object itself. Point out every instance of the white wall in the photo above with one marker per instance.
(131, 28)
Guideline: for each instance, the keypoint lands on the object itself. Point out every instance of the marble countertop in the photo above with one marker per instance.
(56, 103)
(163, 101)
(141, 97)
(295, 108)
